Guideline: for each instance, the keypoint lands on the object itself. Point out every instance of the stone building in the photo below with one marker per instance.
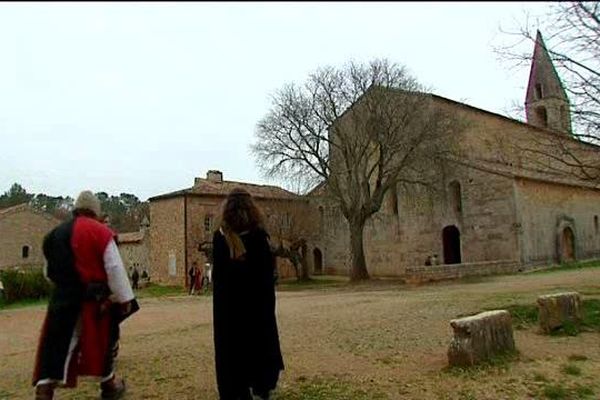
(135, 248)
(507, 204)
(22, 231)
(183, 222)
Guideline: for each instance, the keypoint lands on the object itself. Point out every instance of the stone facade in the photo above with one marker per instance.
(135, 249)
(22, 231)
(167, 238)
(184, 221)
(504, 204)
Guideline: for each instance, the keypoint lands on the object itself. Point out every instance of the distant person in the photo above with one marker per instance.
(193, 272)
(135, 278)
(145, 276)
(205, 282)
(1, 290)
(247, 353)
(91, 296)
(428, 261)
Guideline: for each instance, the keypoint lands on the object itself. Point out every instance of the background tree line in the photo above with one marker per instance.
(125, 211)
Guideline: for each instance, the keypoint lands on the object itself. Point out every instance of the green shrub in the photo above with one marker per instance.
(23, 285)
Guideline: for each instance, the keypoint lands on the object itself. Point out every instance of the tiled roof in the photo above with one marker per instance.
(26, 207)
(13, 209)
(205, 187)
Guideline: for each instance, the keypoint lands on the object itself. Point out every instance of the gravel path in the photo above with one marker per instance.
(384, 338)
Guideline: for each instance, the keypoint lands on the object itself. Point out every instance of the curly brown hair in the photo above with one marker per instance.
(240, 213)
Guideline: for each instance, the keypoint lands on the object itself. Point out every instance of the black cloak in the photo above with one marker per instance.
(247, 351)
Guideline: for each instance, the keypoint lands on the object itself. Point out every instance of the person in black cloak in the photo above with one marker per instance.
(248, 357)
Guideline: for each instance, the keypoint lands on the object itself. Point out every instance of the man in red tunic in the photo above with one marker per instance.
(91, 296)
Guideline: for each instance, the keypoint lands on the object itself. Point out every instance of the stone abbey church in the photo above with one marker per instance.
(506, 206)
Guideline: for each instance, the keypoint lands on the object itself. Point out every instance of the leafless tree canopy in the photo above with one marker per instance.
(572, 34)
(363, 129)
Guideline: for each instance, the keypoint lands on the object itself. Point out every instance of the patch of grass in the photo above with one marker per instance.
(494, 365)
(525, 315)
(23, 303)
(590, 321)
(556, 392)
(571, 369)
(584, 392)
(522, 315)
(315, 282)
(153, 290)
(577, 357)
(540, 377)
(321, 389)
(569, 267)
(591, 314)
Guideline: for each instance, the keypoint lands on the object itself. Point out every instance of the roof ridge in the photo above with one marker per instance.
(246, 183)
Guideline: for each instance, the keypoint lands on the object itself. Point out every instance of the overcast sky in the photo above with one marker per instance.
(142, 97)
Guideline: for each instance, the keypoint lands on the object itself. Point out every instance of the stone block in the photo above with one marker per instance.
(555, 310)
(480, 337)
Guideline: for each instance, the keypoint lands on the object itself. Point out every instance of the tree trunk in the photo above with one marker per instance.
(358, 267)
(304, 276)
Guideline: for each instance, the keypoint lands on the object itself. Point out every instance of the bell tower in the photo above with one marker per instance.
(546, 103)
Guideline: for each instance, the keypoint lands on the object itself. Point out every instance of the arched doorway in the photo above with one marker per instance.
(568, 245)
(451, 241)
(317, 261)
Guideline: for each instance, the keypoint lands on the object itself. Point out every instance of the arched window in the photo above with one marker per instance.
(455, 196)
(321, 218)
(542, 116)
(538, 91)
(25, 252)
(207, 223)
(393, 200)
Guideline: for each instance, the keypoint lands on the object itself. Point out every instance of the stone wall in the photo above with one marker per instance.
(545, 210)
(285, 218)
(408, 230)
(423, 274)
(136, 254)
(23, 228)
(167, 241)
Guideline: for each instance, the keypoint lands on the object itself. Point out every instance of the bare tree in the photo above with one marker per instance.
(572, 40)
(572, 37)
(291, 228)
(361, 128)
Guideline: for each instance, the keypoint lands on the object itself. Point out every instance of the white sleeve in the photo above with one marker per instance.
(117, 276)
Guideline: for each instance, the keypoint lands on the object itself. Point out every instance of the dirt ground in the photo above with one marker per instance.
(380, 340)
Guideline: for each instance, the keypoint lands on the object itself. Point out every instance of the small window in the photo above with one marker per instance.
(25, 252)
(542, 116)
(393, 200)
(321, 217)
(538, 91)
(287, 221)
(596, 224)
(455, 196)
(207, 223)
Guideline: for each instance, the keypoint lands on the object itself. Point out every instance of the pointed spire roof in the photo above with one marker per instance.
(543, 72)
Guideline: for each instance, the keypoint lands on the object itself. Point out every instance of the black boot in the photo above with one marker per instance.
(44, 391)
(113, 389)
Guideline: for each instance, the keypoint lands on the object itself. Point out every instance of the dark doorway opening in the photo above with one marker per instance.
(451, 241)
(568, 245)
(318, 261)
